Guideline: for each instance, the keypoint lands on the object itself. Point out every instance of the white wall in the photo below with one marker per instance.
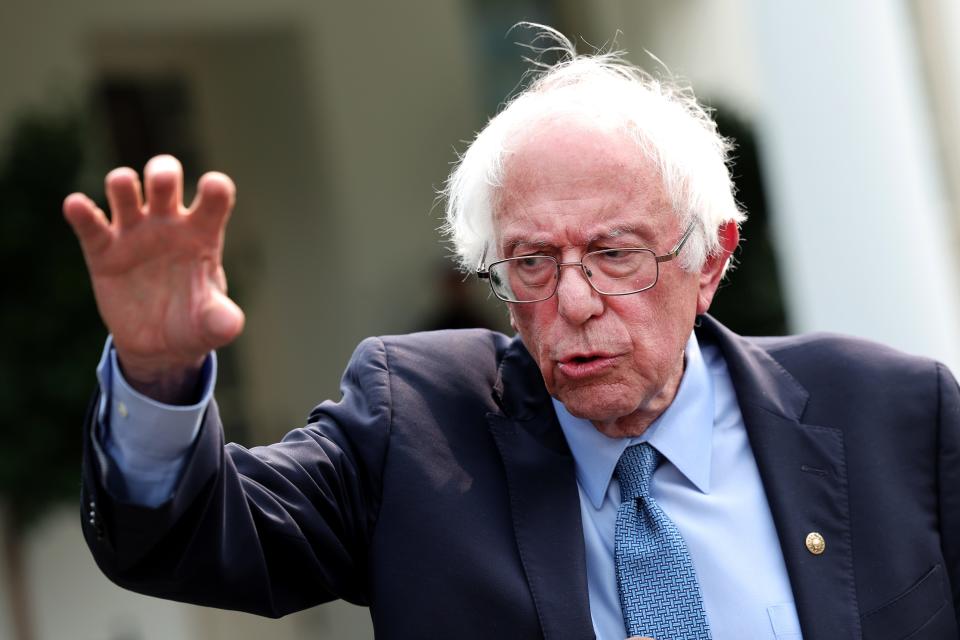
(862, 215)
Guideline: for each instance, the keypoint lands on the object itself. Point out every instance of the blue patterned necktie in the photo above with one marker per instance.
(659, 594)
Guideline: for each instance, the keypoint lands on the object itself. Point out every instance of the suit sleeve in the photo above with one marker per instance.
(268, 530)
(949, 477)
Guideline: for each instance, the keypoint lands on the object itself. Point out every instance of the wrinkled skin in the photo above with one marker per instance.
(617, 361)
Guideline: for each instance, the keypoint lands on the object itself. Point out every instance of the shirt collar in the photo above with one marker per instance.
(683, 433)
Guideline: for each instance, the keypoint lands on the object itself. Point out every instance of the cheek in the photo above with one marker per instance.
(673, 307)
(657, 327)
(531, 320)
(533, 326)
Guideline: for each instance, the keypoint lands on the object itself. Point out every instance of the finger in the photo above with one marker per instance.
(88, 222)
(222, 320)
(164, 178)
(123, 194)
(216, 195)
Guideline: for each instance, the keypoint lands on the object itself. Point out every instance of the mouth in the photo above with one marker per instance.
(585, 365)
(580, 357)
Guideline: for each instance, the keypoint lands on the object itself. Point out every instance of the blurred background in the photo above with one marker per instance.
(339, 121)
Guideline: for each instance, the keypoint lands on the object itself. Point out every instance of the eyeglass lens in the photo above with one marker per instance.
(611, 272)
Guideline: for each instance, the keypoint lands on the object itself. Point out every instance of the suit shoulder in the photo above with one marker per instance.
(456, 353)
(822, 352)
(448, 342)
(854, 383)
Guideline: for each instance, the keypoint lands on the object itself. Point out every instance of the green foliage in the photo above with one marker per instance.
(49, 326)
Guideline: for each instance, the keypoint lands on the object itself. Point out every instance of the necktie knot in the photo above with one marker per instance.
(634, 470)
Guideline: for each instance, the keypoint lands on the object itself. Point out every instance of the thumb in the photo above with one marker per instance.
(222, 320)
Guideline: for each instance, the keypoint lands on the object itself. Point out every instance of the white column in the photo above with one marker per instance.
(856, 188)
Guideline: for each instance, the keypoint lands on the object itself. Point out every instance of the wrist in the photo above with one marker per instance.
(170, 381)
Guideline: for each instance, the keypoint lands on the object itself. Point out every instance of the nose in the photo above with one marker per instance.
(577, 301)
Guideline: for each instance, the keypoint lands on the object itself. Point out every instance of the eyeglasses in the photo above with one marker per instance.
(611, 272)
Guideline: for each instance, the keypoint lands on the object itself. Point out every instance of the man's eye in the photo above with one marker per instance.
(615, 255)
(531, 261)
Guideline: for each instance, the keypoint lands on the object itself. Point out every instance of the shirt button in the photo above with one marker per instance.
(122, 409)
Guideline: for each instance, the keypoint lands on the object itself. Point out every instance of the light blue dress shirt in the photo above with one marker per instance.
(708, 484)
(710, 487)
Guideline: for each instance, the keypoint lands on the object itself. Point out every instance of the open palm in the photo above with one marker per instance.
(156, 268)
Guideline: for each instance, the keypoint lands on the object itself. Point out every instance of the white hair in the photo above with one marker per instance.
(668, 125)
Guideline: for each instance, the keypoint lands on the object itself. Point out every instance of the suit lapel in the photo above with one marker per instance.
(544, 501)
(803, 468)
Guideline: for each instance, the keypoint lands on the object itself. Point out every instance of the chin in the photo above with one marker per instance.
(596, 405)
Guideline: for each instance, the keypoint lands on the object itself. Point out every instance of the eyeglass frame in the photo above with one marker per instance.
(483, 271)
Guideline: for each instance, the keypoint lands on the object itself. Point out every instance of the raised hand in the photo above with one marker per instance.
(157, 273)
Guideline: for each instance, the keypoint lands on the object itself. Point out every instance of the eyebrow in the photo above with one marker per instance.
(616, 232)
(513, 242)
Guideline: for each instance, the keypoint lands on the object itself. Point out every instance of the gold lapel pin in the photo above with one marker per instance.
(815, 543)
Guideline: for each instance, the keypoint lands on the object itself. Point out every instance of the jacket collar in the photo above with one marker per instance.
(544, 501)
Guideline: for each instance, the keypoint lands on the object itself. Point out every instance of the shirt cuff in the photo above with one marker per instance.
(142, 444)
(142, 429)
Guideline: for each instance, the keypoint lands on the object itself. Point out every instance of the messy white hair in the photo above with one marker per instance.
(665, 120)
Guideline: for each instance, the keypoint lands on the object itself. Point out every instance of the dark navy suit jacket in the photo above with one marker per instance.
(440, 492)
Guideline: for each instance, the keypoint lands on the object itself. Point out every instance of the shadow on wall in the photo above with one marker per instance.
(750, 300)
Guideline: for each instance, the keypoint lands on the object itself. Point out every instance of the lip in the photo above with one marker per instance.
(580, 366)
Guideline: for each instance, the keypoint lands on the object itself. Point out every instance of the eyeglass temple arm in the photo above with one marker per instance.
(482, 272)
(676, 249)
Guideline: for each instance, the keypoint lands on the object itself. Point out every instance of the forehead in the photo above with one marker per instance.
(569, 182)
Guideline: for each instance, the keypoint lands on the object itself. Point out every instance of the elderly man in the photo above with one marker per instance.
(624, 466)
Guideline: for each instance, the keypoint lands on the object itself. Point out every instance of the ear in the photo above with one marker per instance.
(713, 267)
